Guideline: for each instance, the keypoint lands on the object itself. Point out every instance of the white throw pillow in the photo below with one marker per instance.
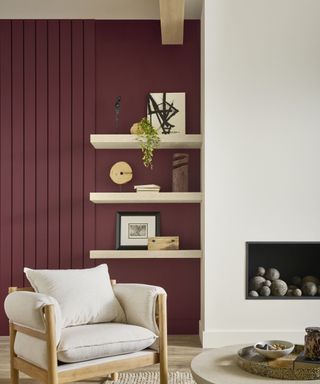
(84, 295)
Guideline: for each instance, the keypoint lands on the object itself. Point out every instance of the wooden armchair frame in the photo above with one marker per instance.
(103, 369)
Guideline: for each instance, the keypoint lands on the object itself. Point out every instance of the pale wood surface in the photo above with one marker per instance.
(51, 344)
(145, 197)
(181, 350)
(129, 141)
(172, 21)
(163, 339)
(219, 366)
(29, 331)
(163, 243)
(12, 356)
(144, 254)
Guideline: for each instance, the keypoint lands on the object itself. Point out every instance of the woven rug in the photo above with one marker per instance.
(175, 377)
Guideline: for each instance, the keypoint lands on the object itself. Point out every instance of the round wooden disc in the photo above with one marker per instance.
(121, 172)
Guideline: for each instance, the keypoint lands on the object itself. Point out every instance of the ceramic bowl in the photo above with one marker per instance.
(274, 354)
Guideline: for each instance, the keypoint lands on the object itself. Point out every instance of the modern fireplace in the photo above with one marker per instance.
(282, 270)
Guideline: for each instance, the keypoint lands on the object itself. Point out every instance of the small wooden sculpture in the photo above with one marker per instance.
(163, 243)
(121, 173)
(180, 172)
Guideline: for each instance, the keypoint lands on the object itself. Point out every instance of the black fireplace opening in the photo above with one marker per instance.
(282, 270)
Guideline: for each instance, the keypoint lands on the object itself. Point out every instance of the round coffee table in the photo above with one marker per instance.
(219, 366)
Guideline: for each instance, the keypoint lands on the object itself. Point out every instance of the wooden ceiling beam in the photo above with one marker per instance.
(172, 21)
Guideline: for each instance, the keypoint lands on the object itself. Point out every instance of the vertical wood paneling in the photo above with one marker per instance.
(53, 107)
(29, 144)
(89, 152)
(47, 168)
(54, 144)
(77, 144)
(41, 144)
(5, 164)
(65, 144)
(17, 152)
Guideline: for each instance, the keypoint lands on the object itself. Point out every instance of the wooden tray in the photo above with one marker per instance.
(282, 368)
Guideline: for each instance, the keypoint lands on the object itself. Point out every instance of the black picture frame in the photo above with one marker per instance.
(119, 223)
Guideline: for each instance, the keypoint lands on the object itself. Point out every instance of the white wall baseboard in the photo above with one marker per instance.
(217, 338)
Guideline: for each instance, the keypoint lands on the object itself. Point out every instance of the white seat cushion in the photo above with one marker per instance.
(93, 341)
(84, 295)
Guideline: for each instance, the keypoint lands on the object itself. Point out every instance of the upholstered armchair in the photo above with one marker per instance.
(75, 324)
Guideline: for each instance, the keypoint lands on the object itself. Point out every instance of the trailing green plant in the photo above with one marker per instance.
(149, 140)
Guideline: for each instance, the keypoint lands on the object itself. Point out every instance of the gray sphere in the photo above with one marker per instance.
(297, 292)
(312, 279)
(265, 291)
(296, 280)
(289, 292)
(279, 288)
(309, 288)
(260, 271)
(272, 274)
(256, 283)
(267, 283)
(253, 293)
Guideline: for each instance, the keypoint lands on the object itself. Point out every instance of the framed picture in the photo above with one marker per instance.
(166, 112)
(134, 228)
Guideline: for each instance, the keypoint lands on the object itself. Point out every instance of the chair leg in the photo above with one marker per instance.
(164, 374)
(14, 373)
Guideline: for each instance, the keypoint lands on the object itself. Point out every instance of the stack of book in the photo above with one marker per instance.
(147, 188)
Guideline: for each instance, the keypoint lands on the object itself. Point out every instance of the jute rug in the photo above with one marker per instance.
(175, 377)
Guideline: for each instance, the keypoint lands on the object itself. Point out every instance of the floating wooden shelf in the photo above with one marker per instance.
(130, 142)
(145, 197)
(145, 254)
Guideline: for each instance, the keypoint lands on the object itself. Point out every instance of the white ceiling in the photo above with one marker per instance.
(90, 9)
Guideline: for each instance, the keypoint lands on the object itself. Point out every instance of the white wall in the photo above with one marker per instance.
(262, 156)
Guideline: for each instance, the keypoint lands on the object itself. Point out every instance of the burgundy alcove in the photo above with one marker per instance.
(59, 81)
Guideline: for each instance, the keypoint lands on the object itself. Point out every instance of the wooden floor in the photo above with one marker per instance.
(181, 351)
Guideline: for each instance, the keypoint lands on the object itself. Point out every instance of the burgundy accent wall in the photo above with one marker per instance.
(58, 83)
(47, 112)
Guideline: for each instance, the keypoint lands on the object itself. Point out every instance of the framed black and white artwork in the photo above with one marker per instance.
(134, 228)
(166, 112)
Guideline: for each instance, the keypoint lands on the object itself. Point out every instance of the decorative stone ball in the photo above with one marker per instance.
(279, 288)
(309, 288)
(272, 274)
(265, 291)
(312, 279)
(256, 283)
(253, 293)
(297, 292)
(289, 292)
(267, 283)
(296, 280)
(260, 271)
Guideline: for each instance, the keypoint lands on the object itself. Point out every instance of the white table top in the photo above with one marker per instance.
(219, 366)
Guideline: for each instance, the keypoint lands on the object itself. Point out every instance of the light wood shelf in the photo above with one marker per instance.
(145, 197)
(102, 141)
(145, 254)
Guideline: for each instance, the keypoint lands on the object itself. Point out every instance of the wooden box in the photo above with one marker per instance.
(163, 243)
